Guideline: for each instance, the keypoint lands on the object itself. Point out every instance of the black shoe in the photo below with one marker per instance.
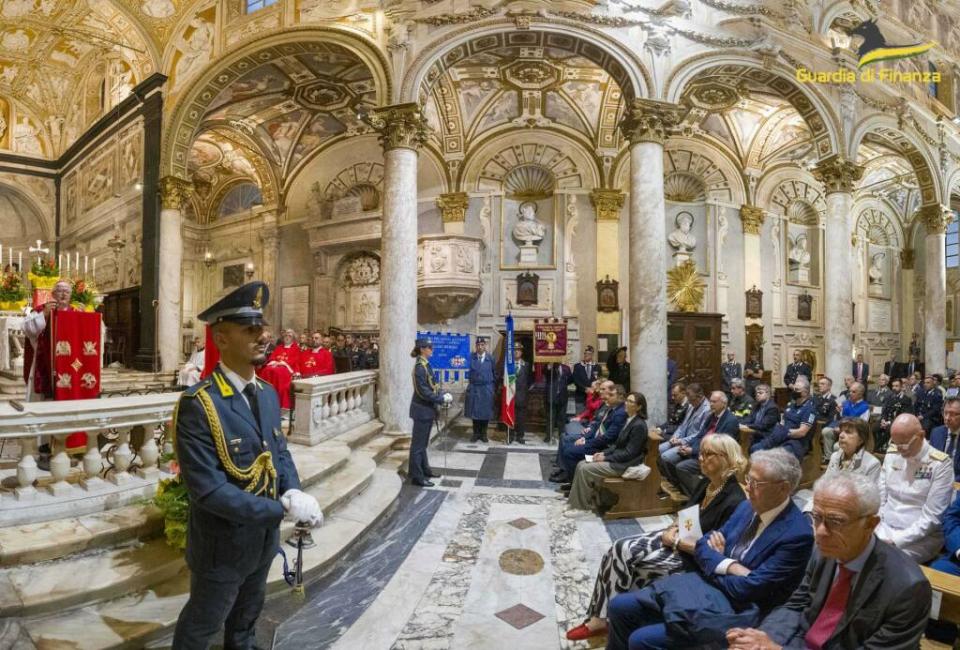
(484, 440)
(520, 441)
(566, 486)
(422, 483)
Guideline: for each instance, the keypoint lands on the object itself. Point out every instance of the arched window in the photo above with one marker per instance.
(255, 5)
(239, 198)
(953, 242)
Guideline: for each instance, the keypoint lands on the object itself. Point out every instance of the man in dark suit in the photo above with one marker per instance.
(764, 417)
(893, 368)
(858, 592)
(573, 451)
(585, 372)
(730, 370)
(795, 369)
(749, 566)
(946, 437)
(240, 476)
(860, 370)
(929, 405)
(558, 378)
(521, 388)
(912, 366)
(721, 420)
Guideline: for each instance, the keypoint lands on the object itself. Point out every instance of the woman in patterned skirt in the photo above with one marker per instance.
(633, 562)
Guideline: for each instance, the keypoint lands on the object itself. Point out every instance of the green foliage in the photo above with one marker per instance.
(174, 503)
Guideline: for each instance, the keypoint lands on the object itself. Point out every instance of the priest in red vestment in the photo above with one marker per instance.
(316, 360)
(283, 367)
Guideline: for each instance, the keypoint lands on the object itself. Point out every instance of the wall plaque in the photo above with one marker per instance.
(754, 303)
(232, 276)
(527, 286)
(608, 295)
(804, 303)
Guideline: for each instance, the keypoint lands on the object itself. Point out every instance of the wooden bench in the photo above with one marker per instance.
(949, 586)
(811, 462)
(639, 498)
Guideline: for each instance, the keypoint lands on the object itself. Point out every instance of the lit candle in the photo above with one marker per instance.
(67, 272)
(94, 268)
(84, 264)
(20, 261)
(76, 266)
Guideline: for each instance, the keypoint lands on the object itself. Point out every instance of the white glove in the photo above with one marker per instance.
(302, 507)
(447, 398)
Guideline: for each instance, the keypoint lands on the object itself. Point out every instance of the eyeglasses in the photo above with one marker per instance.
(753, 483)
(707, 454)
(831, 523)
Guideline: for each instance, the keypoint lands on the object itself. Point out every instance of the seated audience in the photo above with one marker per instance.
(915, 386)
(282, 367)
(633, 562)
(858, 592)
(878, 396)
(316, 360)
(598, 439)
(593, 399)
(764, 416)
(916, 484)
(854, 407)
(949, 562)
(929, 405)
(697, 414)
(628, 449)
(792, 433)
(825, 401)
(945, 437)
(190, 372)
(677, 412)
(899, 401)
(740, 403)
(852, 456)
(954, 389)
(848, 381)
(744, 570)
(577, 428)
(686, 473)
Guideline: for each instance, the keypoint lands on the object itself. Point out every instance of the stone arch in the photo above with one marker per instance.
(887, 129)
(37, 218)
(452, 47)
(782, 187)
(875, 224)
(192, 104)
(744, 68)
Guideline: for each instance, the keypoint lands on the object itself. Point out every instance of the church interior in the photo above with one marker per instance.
(675, 190)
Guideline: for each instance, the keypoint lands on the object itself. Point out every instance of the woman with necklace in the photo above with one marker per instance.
(632, 562)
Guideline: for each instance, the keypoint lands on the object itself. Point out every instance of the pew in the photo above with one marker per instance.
(639, 498)
(810, 467)
(949, 586)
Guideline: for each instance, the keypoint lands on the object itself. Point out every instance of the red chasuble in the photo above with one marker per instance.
(283, 363)
(315, 363)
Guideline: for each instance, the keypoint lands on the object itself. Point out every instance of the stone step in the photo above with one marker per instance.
(359, 436)
(379, 447)
(137, 619)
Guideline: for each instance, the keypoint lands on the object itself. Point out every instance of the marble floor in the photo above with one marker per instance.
(483, 560)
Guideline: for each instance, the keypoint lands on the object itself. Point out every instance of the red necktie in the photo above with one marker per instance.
(833, 609)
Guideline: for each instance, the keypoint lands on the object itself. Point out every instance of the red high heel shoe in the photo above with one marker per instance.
(582, 632)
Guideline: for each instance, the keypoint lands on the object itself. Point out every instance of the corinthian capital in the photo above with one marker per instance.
(453, 206)
(607, 203)
(837, 174)
(400, 125)
(935, 218)
(752, 219)
(647, 120)
(174, 192)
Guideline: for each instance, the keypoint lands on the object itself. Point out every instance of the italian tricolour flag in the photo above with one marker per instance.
(509, 379)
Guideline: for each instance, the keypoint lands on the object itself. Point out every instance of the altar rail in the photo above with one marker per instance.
(325, 407)
(11, 340)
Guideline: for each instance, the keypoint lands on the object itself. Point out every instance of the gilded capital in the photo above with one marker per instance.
(935, 218)
(607, 203)
(837, 174)
(174, 192)
(906, 259)
(400, 125)
(453, 206)
(752, 219)
(647, 120)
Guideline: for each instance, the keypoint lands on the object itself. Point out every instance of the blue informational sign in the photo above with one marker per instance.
(451, 351)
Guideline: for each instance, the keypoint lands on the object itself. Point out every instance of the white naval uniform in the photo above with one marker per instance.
(914, 494)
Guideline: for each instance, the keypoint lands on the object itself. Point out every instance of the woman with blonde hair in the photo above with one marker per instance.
(633, 562)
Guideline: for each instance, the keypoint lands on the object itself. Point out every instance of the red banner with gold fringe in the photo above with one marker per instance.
(76, 361)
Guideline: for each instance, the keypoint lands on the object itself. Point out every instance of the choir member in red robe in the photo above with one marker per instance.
(316, 360)
(283, 367)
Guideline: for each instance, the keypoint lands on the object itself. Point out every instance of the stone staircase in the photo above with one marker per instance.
(109, 580)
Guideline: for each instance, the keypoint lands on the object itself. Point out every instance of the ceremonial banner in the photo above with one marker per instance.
(507, 413)
(76, 361)
(451, 351)
(549, 341)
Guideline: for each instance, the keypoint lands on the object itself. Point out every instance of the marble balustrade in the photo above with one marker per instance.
(328, 406)
(11, 353)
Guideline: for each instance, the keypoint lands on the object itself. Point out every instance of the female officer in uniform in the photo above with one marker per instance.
(423, 410)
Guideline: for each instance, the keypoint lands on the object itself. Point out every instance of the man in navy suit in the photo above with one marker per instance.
(946, 437)
(240, 476)
(721, 420)
(860, 370)
(764, 417)
(584, 374)
(754, 562)
(573, 451)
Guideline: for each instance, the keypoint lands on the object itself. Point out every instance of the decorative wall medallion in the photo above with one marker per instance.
(608, 295)
(527, 286)
(521, 562)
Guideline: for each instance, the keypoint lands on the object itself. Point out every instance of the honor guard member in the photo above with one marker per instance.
(479, 402)
(240, 477)
(423, 412)
(730, 370)
(796, 369)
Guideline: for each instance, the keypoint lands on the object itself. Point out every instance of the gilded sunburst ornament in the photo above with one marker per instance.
(685, 287)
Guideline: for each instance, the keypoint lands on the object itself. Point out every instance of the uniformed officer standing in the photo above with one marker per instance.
(423, 412)
(240, 477)
(479, 401)
(916, 487)
(796, 369)
(730, 370)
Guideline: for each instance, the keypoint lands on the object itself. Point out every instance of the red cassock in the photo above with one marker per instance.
(279, 370)
(315, 363)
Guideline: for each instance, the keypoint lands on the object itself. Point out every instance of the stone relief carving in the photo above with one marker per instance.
(464, 261)
(570, 284)
(777, 260)
(438, 258)
(195, 50)
(26, 138)
(486, 229)
(723, 227)
(362, 271)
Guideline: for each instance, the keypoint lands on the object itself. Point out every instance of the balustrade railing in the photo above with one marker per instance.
(11, 340)
(328, 406)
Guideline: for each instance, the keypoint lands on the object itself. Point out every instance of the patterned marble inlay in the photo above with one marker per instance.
(519, 616)
(522, 523)
(521, 562)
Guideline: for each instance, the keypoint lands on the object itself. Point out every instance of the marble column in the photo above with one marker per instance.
(453, 211)
(935, 219)
(838, 176)
(174, 192)
(645, 126)
(402, 131)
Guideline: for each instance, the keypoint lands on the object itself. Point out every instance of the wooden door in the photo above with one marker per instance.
(693, 342)
(121, 315)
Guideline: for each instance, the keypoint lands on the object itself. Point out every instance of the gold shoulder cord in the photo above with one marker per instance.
(260, 473)
(433, 386)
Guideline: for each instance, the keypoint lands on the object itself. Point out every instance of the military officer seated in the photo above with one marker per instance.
(240, 478)
(916, 485)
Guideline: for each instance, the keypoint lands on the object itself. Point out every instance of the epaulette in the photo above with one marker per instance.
(937, 455)
(196, 388)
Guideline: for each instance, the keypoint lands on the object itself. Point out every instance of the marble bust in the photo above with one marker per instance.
(681, 239)
(875, 272)
(528, 229)
(799, 255)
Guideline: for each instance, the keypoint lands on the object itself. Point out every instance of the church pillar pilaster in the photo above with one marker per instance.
(173, 193)
(270, 241)
(838, 176)
(645, 126)
(935, 219)
(402, 131)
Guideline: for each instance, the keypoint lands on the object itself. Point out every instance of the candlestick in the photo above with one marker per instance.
(76, 266)
(68, 264)
(94, 269)
(20, 261)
